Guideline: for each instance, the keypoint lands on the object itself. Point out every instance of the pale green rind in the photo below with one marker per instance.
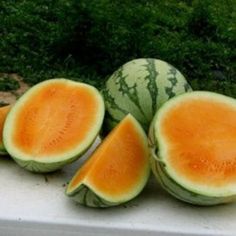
(170, 184)
(140, 87)
(85, 196)
(181, 193)
(45, 167)
(53, 163)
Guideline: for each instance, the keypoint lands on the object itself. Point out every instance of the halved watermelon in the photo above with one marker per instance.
(193, 144)
(117, 171)
(3, 113)
(52, 124)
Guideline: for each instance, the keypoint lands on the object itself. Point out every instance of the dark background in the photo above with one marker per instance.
(87, 40)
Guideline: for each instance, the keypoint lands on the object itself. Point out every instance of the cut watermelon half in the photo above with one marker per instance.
(193, 145)
(53, 124)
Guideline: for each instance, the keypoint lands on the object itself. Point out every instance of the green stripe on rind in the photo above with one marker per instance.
(187, 87)
(129, 91)
(171, 76)
(174, 76)
(85, 196)
(171, 186)
(45, 167)
(152, 83)
(115, 113)
(111, 101)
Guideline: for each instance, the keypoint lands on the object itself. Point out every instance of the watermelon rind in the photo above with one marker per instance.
(87, 197)
(178, 187)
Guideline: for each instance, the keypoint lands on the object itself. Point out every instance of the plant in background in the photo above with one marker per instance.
(89, 40)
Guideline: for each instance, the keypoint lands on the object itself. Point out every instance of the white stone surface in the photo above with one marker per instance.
(35, 204)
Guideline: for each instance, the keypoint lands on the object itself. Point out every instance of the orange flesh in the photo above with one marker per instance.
(55, 119)
(201, 139)
(119, 162)
(3, 113)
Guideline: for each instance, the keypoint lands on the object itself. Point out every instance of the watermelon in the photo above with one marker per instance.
(140, 87)
(192, 141)
(117, 171)
(3, 113)
(53, 124)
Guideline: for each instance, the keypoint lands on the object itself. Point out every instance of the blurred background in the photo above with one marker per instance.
(87, 40)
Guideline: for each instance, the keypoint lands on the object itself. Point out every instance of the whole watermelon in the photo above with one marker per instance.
(140, 87)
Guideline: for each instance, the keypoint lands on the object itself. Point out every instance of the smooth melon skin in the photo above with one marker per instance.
(117, 171)
(53, 124)
(192, 141)
(3, 114)
(140, 87)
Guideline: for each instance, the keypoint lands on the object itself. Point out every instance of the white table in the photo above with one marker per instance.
(35, 204)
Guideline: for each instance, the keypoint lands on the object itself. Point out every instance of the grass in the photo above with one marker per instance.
(88, 41)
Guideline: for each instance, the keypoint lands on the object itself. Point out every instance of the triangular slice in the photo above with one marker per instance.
(3, 114)
(117, 171)
(194, 147)
(53, 124)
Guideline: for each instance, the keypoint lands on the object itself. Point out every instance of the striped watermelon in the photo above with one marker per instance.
(140, 87)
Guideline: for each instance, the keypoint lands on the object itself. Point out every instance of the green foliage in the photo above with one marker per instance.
(88, 40)
(197, 38)
(28, 30)
(31, 32)
(8, 84)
